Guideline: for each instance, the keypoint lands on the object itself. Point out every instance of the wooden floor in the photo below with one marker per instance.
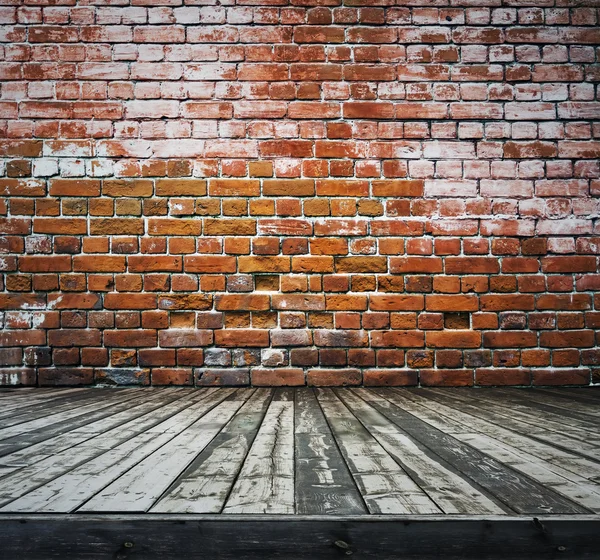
(344, 452)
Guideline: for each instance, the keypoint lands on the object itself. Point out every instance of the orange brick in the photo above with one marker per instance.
(180, 187)
(75, 187)
(234, 187)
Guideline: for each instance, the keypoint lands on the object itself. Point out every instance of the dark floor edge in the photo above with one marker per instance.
(165, 537)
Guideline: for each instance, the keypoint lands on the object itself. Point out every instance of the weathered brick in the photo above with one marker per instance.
(333, 377)
(234, 187)
(309, 195)
(180, 187)
(88, 263)
(209, 264)
(185, 338)
(277, 377)
(242, 338)
(130, 338)
(74, 187)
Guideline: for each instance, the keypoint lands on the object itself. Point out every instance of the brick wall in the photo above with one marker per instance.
(385, 192)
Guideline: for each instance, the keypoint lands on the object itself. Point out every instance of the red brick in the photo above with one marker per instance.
(446, 377)
(40, 263)
(180, 187)
(85, 263)
(403, 265)
(242, 338)
(557, 376)
(175, 338)
(172, 376)
(75, 187)
(234, 187)
(389, 377)
(185, 302)
(397, 302)
(569, 264)
(130, 338)
(401, 339)
(398, 188)
(65, 376)
(74, 337)
(281, 377)
(472, 265)
(154, 263)
(452, 303)
(567, 339)
(318, 34)
(209, 264)
(242, 302)
(130, 301)
(507, 302)
(502, 376)
(333, 377)
(509, 339)
(453, 339)
(22, 338)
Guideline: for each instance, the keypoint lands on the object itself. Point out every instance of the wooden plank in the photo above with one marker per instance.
(570, 408)
(532, 425)
(464, 419)
(324, 484)
(38, 473)
(577, 489)
(443, 484)
(588, 396)
(13, 405)
(54, 417)
(25, 394)
(12, 409)
(207, 482)
(559, 420)
(240, 537)
(6, 470)
(69, 491)
(59, 436)
(141, 486)
(516, 491)
(34, 410)
(384, 486)
(591, 391)
(266, 481)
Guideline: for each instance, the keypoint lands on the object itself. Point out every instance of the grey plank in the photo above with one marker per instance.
(38, 473)
(173, 537)
(205, 485)
(463, 418)
(38, 409)
(513, 489)
(453, 493)
(12, 405)
(52, 437)
(69, 491)
(384, 485)
(573, 487)
(323, 482)
(537, 426)
(588, 395)
(266, 481)
(56, 416)
(566, 421)
(584, 417)
(137, 489)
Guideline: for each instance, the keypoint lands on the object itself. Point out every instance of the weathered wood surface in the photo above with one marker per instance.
(229, 537)
(301, 452)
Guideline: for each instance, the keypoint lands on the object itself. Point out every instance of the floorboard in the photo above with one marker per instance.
(299, 453)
